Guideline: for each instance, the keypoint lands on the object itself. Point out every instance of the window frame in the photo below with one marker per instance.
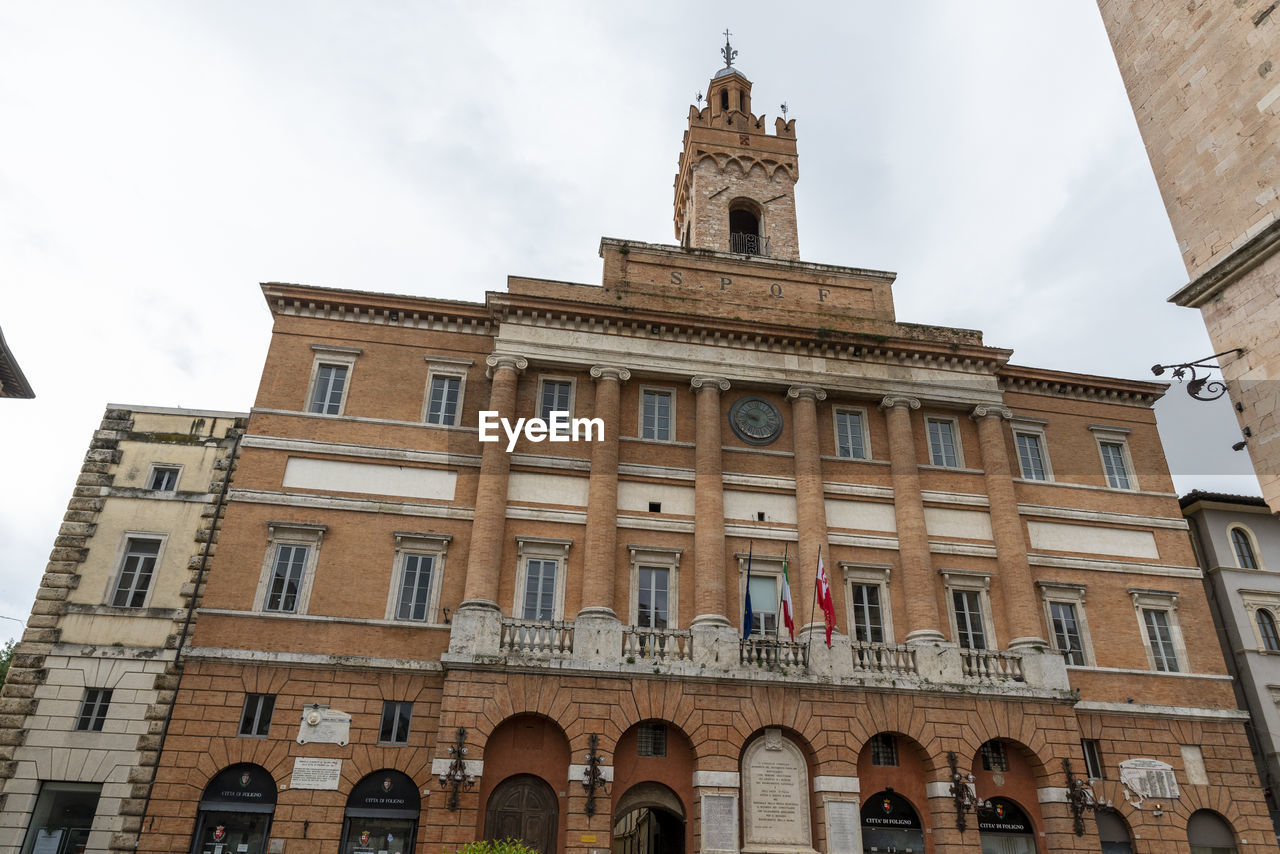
(1093, 762)
(1068, 593)
(955, 440)
(176, 468)
(994, 756)
(416, 543)
(331, 354)
(304, 534)
(861, 412)
(882, 743)
(439, 367)
(93, 719)
(670, 392)
(1108, 435)
(651, 727)
(555, 378)
(970, 581)
(1035, 427)
(870, 575)
(540, 548)
(1253, 602)
(257, 721)
(1145, 599)
(122, 554)
(763, 566)
(655, 557)
(1250, 540)
(395, 707)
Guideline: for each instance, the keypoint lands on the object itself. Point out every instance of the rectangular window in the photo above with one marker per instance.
(867, 625)
(651, 740)
(1114, 463)
(849, 435)
(443, 399)
(255, 719)
(1031, 456)
(968, 613)
(557, 396)
(1160, 636)
(764, 604)
(651, 604)
(655, 415)
(942, 443)
(286, 579)
(331, 382)
(884, 750)
(415, 587)
(93, 711)
(993, 757)
(1092, 758)
(540, 589)
(395, 722)
(164, 478)
(1066, 632)
(136, 571)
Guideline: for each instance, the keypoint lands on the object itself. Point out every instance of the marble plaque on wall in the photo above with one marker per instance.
(324, 726)
(844, 827)
(719, 823)
(1150, 778)
(313, 772)
(775, 795)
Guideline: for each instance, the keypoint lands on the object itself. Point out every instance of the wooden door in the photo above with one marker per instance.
(523, 807)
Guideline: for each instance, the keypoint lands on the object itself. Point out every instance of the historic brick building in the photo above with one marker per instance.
(1206, 94)
(83, 709)
(412, 638)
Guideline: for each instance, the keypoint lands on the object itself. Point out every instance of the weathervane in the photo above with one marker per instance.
(698, 97)
(784, 109)
(727, 51)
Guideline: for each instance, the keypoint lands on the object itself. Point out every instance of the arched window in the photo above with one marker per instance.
(744, 228)
(382, 814)
(1209, 833)
(1113, 833)
(1267, 629)
(1242, 544)
(235, 812)
(724, 99)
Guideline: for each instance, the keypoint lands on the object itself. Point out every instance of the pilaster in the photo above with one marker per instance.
(710, 577)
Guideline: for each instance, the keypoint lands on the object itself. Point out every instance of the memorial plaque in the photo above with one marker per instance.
(1150, 778)
(324, 726)
(775, 794)
(844, 831)
(310, 772)
(719, 823)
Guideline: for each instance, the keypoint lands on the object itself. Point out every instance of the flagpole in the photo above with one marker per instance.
(809, 648)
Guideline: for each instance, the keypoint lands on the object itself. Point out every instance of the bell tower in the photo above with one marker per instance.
(735, 185)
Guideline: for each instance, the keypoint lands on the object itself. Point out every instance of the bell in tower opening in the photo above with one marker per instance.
(735, 185)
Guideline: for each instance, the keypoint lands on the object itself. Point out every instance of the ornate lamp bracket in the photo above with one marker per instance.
(455, 778)
(1199, 387)
(1081, 799)
(592, 776)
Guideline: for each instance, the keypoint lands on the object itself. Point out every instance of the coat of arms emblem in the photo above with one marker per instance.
(886, 805)
(386, 784)
(364, 837)
(244, 779)
(1000, 810)
(219, 833)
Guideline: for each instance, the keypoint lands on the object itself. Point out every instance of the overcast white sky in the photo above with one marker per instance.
(159, 160)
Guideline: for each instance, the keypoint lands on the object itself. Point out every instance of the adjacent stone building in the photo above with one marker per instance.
(83, 710)
(1204, 82)
(1237, 542)
(413, 637)
(12, 381)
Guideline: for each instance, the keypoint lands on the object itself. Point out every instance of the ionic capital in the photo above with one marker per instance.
(497, 361)
(717, 382)
(806, 392)
(609, 372)
(991, 410)
(890, 401)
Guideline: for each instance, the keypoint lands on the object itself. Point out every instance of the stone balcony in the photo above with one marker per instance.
(598, 642)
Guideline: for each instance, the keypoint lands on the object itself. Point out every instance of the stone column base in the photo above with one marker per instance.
(715, 642)
(476, 629)
(597, 636)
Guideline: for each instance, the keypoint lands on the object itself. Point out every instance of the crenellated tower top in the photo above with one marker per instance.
(735, 185)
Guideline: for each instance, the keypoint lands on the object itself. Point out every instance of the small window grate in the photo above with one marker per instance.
(651, 740)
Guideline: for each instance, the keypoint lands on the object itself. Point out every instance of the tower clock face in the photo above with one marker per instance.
(755, 420)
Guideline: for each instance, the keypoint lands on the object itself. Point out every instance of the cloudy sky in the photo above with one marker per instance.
(159, 160)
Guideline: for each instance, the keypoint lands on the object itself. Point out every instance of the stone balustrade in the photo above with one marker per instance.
(552, 638)
(645, 644)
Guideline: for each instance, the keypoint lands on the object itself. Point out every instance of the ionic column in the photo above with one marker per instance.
(908, 509)
(484, 559)
(1013, 571)
(602, 497)
(708, 503)
(811, 505)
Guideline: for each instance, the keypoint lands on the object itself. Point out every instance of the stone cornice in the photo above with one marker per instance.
(1210, 283)
(1018, 378)
(377, 309)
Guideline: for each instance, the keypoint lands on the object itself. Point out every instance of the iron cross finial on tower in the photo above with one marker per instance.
(727, 51)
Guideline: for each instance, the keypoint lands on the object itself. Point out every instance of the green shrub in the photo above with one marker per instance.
(497, 846)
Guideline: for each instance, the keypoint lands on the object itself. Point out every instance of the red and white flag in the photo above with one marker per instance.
(825, 601)
(788, 611)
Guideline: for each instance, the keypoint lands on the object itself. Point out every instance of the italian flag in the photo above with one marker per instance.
(788, 611)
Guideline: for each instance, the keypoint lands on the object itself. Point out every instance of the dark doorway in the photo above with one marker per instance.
(648, 830)
(235, 812)
(523, 807)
